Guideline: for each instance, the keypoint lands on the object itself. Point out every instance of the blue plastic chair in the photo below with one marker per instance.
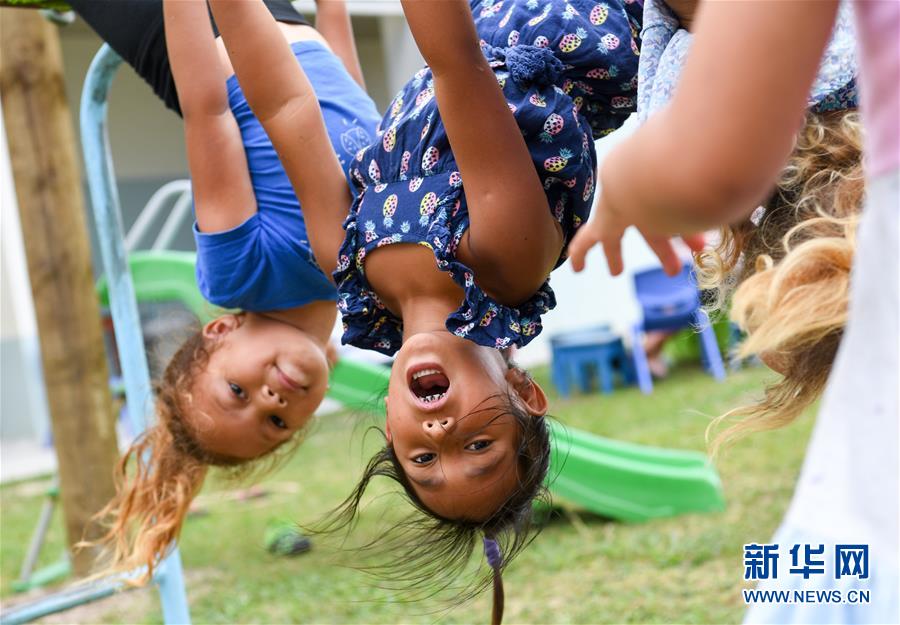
(579, 356)
(671, 303)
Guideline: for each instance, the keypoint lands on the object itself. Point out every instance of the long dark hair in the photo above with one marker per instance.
(425, 552)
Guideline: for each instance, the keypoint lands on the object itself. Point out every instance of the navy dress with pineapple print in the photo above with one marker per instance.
(568, 70)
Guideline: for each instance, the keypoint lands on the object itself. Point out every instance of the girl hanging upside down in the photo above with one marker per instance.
(788, 265)
(808, 314)
(482, 171)
(248, 383)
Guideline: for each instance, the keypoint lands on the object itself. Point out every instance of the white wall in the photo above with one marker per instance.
(400, 56)
(23, 401)
(147, 139)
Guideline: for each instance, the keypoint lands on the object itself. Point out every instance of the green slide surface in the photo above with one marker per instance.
(359, 386)
(630, 482)
(165, 276)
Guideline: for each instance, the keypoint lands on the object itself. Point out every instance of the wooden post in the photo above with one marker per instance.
(50, 198)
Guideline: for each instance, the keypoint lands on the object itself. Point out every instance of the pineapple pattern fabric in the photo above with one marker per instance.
(568, 70)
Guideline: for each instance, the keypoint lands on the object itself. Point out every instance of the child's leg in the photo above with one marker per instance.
(503, 191)
(223, 193)
(654, 341)
(134, 29)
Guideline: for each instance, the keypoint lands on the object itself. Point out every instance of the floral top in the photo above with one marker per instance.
(569, 74)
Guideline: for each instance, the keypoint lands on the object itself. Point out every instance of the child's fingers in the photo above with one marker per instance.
(694, 241)
(612, 247)
(665, 251)
(583, 241)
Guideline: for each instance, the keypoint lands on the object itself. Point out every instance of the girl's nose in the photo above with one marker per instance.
(436, 428)
(270, 395)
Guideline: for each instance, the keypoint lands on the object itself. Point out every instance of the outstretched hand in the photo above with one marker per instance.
(711, 155)
(607, 226)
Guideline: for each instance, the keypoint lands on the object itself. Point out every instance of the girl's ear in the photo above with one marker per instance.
(530, 392)
(387, 427)
(220, 327)
(331, 355)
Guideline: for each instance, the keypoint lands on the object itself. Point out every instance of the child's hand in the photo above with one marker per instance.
(629, 194)
(607, 226)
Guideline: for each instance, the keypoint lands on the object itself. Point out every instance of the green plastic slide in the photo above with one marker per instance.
(630, 482)
(359, 386)
(165, 276)
(611, 478)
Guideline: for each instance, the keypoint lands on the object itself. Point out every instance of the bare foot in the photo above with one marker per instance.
(658, 367)
(653, 345)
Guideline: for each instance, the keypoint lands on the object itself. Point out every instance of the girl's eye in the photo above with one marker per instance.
(278, 422)
(235, 389)
(423, 458)
(478, 445)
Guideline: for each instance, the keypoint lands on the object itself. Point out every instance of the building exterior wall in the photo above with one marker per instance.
(23, 401)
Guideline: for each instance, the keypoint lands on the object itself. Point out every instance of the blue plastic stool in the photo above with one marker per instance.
(579, 356)
(671, 303)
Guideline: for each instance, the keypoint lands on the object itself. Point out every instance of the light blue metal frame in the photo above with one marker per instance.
(123, 306)
(108, 220)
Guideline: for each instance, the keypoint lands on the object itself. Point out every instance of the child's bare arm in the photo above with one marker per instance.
(739, 105)
(712, 155)
(685, 10)
(333, 23)
(223, 194)
(502, 188)
(283, 100)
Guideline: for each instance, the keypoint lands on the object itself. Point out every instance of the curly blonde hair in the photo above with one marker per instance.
(786, 271)
(163, 470)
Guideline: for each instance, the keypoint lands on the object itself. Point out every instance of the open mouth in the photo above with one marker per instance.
(429, 385)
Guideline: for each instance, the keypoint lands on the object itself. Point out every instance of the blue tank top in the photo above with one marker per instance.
(266, 263)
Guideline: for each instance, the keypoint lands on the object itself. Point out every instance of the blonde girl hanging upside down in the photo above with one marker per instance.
(246, 385)
(482, 171)
(847, 494)
(794, 253)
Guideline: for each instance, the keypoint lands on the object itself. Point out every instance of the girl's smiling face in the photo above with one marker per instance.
(450, 426)
(262, 383)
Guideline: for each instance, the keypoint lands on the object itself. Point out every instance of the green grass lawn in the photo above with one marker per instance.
(581, 569)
